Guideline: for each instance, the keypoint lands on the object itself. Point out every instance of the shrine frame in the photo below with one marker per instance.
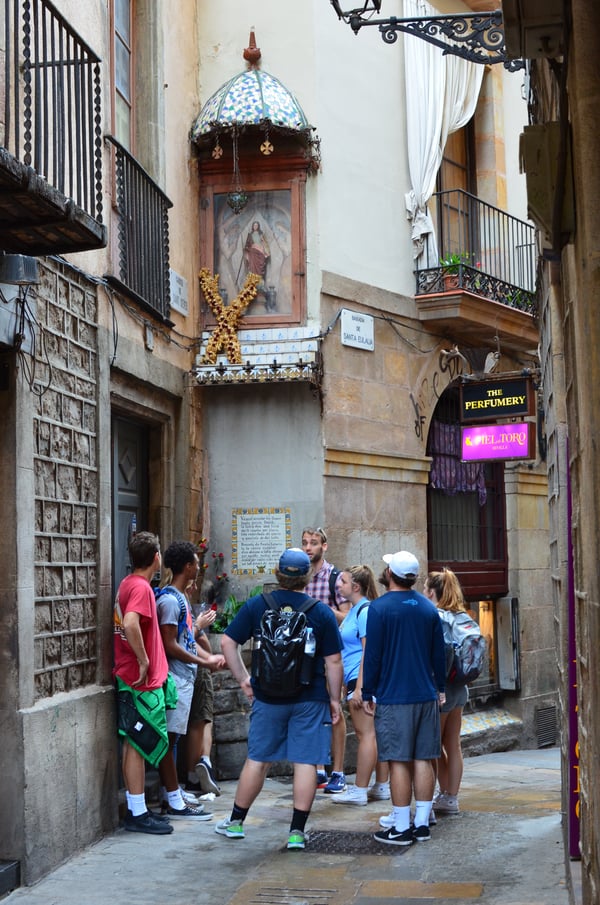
(277, 183)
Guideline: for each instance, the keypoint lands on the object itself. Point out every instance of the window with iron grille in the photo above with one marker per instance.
(143, 235)
(465, 507)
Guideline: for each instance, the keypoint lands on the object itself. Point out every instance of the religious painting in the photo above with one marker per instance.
(266, 238)
(258, 240)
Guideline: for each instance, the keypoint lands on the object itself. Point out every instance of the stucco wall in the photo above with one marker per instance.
(264, 448)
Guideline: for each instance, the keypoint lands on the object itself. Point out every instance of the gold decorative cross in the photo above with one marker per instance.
(224, 336)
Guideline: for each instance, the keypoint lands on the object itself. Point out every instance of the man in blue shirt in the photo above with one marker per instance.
(404, 677)
(298, 728)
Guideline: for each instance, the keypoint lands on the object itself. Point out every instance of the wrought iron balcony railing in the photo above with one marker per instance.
(50, 104)
(143, 233)
(480, 249)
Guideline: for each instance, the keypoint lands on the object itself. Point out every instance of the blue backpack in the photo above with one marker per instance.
(182, 624)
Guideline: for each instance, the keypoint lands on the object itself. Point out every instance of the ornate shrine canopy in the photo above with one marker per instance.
(252, 98)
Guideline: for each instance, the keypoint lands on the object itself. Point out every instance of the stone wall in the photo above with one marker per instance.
(66, 478)
(60, 781)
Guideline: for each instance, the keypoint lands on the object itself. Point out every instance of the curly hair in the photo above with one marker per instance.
(178, 554)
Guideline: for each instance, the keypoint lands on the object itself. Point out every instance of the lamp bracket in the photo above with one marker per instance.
(471, 36)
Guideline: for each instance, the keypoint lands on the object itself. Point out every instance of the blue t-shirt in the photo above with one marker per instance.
(173, 609)
(405, 658)
(327, 637)
(352, 629)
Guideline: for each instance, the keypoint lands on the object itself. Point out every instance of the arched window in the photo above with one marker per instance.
(465, 508)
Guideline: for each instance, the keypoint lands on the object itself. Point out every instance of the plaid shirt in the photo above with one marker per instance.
(318, 586)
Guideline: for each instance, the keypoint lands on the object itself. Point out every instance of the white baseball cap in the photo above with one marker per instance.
(403, 564)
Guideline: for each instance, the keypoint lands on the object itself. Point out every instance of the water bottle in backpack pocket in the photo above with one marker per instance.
(283, 651)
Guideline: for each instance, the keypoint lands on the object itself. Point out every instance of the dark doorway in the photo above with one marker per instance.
(129, 490)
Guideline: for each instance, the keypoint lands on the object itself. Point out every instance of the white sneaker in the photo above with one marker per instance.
(446, 804)
(379, 791)
(352, 795)
(233, 829)
(189, 798)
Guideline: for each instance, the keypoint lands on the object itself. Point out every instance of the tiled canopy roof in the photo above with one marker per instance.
(250, 99)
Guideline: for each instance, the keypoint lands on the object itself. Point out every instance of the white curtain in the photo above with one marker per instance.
(441, 96)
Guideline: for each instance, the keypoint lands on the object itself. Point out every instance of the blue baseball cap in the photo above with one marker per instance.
(294, 562)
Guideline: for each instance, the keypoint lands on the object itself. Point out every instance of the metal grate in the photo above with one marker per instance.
(546, 726)
(292, 895)
(336, 843)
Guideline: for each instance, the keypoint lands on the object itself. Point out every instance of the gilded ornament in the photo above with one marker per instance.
(224, 336)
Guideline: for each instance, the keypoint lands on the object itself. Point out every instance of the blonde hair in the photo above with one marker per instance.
(365, 579)
(446, 587)
(167, 578)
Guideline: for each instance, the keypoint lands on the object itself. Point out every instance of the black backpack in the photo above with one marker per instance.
(333, 577)
(280, 667)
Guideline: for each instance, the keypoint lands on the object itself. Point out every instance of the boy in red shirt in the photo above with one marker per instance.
(141, 675)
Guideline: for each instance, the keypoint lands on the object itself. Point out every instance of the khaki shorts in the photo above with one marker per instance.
(177, 719)
(202, 709)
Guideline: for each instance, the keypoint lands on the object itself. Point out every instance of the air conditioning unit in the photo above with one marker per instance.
(18, 269)
(533, 28)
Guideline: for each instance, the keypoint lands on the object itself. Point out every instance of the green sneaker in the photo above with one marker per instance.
(297, 839)
(233, 829)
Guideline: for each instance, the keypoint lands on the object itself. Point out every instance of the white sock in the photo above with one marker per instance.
(206, 760)
(422, 812)
(175, 799)
(401, 818)
(137, 804)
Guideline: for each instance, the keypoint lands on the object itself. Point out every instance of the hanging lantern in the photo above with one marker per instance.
(237, 199)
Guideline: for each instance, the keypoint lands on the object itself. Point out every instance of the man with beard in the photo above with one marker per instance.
(314, 544)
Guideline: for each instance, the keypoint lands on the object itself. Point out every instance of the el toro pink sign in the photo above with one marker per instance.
(498, 442)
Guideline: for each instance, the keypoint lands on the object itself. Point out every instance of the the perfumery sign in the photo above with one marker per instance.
(498, 441)
(511, 397)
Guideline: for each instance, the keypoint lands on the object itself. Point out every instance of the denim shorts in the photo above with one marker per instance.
(299, 733)
(407, 732)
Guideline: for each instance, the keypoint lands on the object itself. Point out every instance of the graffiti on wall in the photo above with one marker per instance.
(431, 388)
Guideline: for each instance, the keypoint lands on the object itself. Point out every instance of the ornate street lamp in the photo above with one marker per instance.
(478, 37)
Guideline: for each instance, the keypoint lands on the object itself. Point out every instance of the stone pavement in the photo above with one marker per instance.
(504, 848)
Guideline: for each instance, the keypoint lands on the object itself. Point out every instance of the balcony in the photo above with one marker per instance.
(50, 136)
(478, 281)
(143, 236)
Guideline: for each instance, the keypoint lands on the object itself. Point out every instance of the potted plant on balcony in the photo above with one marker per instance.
(451, 265)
